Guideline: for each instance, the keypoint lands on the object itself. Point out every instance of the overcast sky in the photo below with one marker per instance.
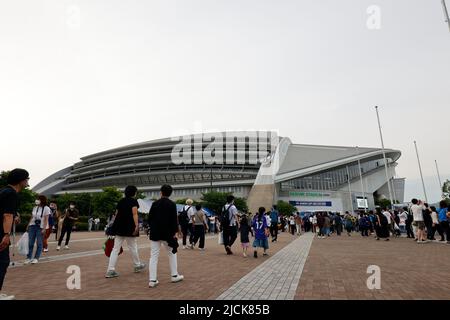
(78, 77)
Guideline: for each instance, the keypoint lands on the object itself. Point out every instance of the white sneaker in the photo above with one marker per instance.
(45, 250)
(66, 248)
(34, 261)
(153, 284)
(27, 261)
(184, 247)
(6, 297)
(58, 248)
(177, 278)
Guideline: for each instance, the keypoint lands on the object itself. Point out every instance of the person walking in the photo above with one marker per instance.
(326, 225)
(313, 222)
(229, 224)
(163, 223)
(50, 226)
(125, 228)
(408, 223)
(244, 230)
(435, 224)
(427, 220)
(200, 227)
(403, 217)
(292, 224)
(189, 209)
(36, 229)
(274, 223)
(320, 225)
(363, 225)
(69, 218)
(443, 217)
(17, 180)
(90, 222)
(338, 223)
(382, 226)
(183, 221)
(348, 223)
(417, 209)
(298, 224)
(261, 230)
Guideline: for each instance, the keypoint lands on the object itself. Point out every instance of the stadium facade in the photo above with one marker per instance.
(257, 165)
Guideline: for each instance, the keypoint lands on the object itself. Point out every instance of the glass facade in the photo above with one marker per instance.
(333, 179)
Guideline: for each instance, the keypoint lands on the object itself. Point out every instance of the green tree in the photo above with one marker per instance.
(104, 203)
(216, 200)
(446, 190)
(383, 203)
(63, 201)
(285, 208)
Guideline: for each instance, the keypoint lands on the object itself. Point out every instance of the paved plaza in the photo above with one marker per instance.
(299, 268)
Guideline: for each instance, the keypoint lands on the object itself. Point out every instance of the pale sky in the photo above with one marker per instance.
(79, 77)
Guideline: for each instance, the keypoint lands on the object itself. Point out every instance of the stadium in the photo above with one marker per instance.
(257, 165)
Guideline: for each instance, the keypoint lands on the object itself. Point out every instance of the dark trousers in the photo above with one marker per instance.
(64, 230)
(409, 231)
(4, 264)
(364, 231)
(445, 229)
(184, 230)
(292, 227)
(436, 227)
(338, 229)
(199, 233)
(229, 236)
(429, 227)
(274, 230)
(191, 233)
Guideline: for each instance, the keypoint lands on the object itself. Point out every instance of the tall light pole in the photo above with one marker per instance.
(420, 170)
(447, 19)
(361, 180)
(384, 157)
(350, 190)
(439, 179)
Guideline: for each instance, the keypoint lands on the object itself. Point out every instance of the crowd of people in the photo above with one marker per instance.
(420, 222)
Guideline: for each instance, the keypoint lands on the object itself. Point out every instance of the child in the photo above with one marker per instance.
(261, 232)
(245, 229)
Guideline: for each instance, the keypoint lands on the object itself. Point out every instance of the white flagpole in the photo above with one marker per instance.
(384, 157)
(421, 175)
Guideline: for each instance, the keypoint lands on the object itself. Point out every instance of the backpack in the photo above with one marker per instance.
(225, 217)
(183, 218)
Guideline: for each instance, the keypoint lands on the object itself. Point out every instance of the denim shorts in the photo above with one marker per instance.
(261, 243)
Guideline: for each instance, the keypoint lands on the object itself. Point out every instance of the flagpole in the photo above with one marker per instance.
(447, 19)
(384, 157)
(421, 175)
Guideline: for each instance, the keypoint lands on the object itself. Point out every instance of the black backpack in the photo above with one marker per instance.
(183, 218)
(225, 217)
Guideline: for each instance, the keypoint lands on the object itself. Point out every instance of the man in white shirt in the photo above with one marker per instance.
(190, 213)
(417, 211)
(388, 216)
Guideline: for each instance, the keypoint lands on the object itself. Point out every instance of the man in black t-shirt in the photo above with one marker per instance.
(17, 181)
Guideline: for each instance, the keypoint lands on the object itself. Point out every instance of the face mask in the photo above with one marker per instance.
(72, 207)
(37, 202)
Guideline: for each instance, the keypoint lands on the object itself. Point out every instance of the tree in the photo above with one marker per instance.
(26, 196)
(383, 203)
(285, 208)
(446, 190)
(215, 201)
(104, 203)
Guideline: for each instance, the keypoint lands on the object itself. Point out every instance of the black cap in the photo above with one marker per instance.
(17, 175)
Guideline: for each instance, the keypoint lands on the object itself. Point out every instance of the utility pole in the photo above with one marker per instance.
(350, 190)
(385, 160)
(421, 175)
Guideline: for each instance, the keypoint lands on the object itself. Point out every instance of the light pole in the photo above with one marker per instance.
(384, 157)
(447, 19)
(350, 190)
(361, 180)
(439, 179)
(420, 170)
